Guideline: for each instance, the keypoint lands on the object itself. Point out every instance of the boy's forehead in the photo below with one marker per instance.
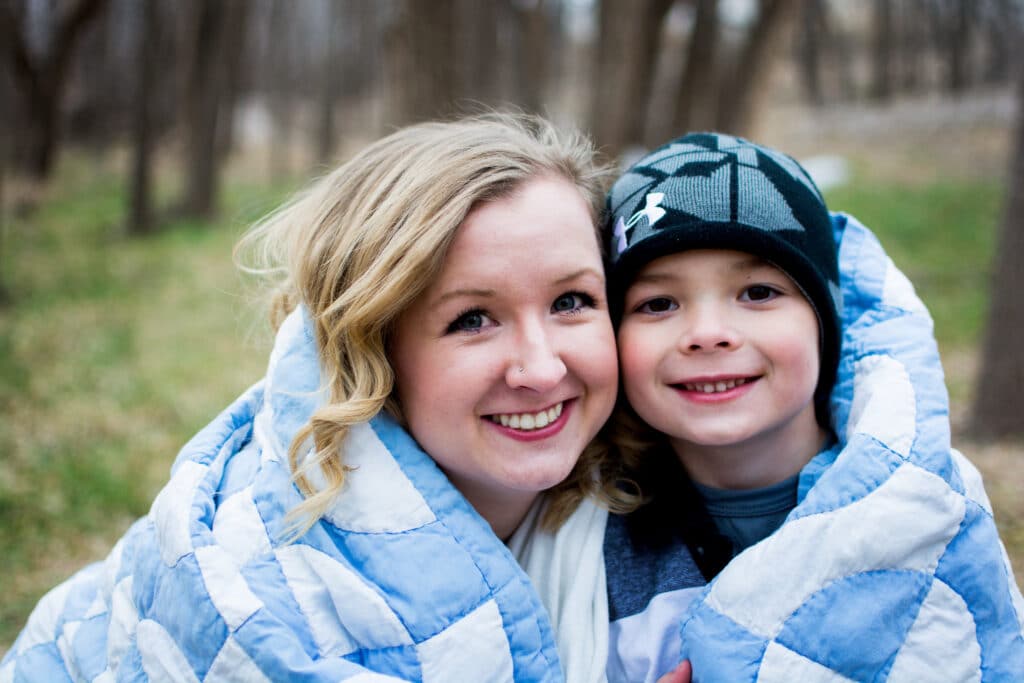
(724, 259)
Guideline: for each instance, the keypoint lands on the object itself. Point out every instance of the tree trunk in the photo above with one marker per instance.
(326, 133)
(140, 219)
(532, 55)
(41, 81)
(279, 71)
(628, 39)
(996, 412)
(813, 38)
(957, 45)
(233, 54)
(912, 44)
(216, 27)
(698, 89)
(423, 53)
(751, 78)
(477, 32)
(999, 36)
(881, 53)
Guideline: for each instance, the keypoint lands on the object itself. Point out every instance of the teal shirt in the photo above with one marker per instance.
(748, 516)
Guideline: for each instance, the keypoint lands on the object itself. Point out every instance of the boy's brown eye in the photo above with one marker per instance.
(658, 305)
(759, 293)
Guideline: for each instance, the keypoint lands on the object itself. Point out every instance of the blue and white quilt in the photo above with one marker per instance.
(890, 568)
(401, 580)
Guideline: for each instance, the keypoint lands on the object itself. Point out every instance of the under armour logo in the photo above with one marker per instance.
(652, 211)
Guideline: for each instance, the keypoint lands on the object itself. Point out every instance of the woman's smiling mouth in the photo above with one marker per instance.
(528, 421)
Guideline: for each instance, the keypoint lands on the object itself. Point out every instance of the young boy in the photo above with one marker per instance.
(849, 543)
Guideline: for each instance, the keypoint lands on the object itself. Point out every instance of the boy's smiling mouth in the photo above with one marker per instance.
(716, 386)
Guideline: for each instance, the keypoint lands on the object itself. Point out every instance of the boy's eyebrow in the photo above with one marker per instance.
(753, 261)
(654, 277)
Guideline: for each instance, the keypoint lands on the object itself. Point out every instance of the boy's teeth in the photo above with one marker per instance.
(714, 387)
(528, 421)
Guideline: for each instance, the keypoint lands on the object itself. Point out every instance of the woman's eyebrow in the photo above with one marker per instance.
(575, 275)
(457, 293)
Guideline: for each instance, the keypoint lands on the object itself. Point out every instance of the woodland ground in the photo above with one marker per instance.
(116, 350)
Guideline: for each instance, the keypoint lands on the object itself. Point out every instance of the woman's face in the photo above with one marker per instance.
(505, 366)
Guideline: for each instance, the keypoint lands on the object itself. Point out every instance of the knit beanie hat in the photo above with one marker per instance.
(713, 191)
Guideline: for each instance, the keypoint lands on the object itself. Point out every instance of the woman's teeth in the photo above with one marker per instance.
(714, 387)
(528, 421)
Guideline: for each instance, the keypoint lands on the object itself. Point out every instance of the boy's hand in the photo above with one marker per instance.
(680, 674)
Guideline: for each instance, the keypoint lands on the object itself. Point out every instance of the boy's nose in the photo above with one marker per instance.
(708, 330)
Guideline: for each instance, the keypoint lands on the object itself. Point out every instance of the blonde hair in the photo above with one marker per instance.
(360, 245)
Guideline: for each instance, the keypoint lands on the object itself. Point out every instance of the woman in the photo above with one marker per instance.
(444, 356)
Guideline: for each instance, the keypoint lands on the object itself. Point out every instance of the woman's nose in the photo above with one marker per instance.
(537, 362)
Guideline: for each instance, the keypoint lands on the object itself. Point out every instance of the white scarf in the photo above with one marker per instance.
(567, 569)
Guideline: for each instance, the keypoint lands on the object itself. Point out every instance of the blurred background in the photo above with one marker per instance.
(138, 139)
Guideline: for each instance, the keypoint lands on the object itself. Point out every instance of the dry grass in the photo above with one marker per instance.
(1000, 465)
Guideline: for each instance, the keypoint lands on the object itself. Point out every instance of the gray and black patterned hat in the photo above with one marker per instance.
(713, 191)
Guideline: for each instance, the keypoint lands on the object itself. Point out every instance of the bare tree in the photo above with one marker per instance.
(627, 47)
(911, 17)
(40, 78)
(748, 82)
(995, 412)
(215, 26)
(423, 54)
(813, 38)
(881, 53)
(338, 13)
(140, 218)
(531, 28)
(478, 35)
(697, 94)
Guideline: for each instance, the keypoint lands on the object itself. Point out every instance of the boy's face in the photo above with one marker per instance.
(719, 351)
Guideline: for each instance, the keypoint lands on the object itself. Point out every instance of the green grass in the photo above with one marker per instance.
(941, 235)
(116, 350)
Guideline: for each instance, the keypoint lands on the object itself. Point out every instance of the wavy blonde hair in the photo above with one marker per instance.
(359, 245)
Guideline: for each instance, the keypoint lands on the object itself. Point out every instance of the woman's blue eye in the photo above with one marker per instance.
(571, 301)
(660, 304)
(470, 321)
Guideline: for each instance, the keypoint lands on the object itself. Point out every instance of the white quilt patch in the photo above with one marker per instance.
(234, 664)
(944, 618)
(816, 550)
(782, 665)
(65, 645)
(162, 660)
(344, 613)
(475, 648)
(378, 497)
(884, 403)
(124, 619)
(898, 291)
(239, 529)
(172, 511)
(226, 587)
(42, 624)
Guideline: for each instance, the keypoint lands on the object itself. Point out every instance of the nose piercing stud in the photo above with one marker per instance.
(521, 369)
